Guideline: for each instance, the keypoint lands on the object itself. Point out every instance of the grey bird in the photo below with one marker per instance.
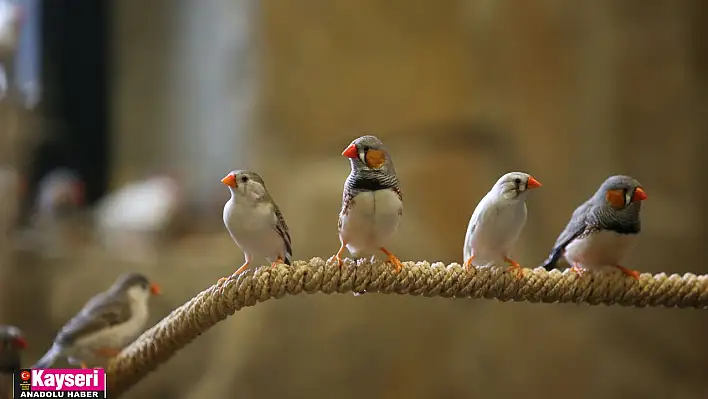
(498, 220)
(12, 343)
(254, 220)
(107, 323)
(602, 230)
(372, 203)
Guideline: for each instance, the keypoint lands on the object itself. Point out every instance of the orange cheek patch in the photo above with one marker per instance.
(615, 198)
(375, 158)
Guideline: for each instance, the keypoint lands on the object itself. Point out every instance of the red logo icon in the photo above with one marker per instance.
(25, 375)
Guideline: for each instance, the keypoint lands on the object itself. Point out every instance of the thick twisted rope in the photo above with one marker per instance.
(209, 307)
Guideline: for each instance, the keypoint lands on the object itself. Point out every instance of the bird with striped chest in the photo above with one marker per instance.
(372, 203)
(602, 230)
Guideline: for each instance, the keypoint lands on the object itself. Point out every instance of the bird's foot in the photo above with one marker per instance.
(392, 259)
(468, 263)
(514, 266)
(83, 365)
(338, 256)
(278, 261)
(631, 273)
(106, 352)
(223, 279)
(577, 270)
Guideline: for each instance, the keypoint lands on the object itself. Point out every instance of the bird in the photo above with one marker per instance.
(602, 230)
(12, 343)
(372, 202)
(255, 221)
(497, 221)
(105, 325)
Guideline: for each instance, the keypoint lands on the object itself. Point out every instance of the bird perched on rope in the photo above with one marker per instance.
(12, 343)
(254, 220)
(602, 230)
(107, 323)
(497, 221)
(372, 203)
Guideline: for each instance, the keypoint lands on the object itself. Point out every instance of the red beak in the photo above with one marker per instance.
(533, 183)
(20, 342)
(639, 195)
(230, 180)
(351, 151)
(155, 289)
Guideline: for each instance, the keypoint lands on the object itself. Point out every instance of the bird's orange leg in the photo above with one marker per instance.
(392, 259)
(577, 270)
(106, 352)
(631, 273)
(278, 261)
(338, 256)
(468, 263)
(513, 265)
(83, 365)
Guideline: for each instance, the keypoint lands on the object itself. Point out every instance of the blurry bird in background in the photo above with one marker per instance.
(135, 220)
(372, 202)
(254, 220)
(107, 323)
(58, 220)
(603, 230)
(497, 221)
(12, 343)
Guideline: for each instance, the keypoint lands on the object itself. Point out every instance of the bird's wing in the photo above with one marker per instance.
(102, 311)
(472, 226)
(576, 227)
(282, 228)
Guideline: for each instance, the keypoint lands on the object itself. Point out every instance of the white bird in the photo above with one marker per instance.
(254, 220)
(497, 221)
(132, 220)
(107, 323)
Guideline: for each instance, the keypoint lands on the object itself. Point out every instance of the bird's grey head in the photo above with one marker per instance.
(514, 185)
(11, 335)
(245, 183)
(369, 153)
(622, 194)
(135, 285)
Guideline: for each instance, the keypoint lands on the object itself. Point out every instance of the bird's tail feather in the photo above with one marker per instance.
(49, 358)
(552, 260)
(288, 258)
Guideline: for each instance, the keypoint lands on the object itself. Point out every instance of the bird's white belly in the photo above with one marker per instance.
(371, 220)
(604, 248)
(115, 337)
(253, 229)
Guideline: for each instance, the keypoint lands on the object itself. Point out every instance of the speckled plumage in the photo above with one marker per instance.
(372, 202)
(599, 232)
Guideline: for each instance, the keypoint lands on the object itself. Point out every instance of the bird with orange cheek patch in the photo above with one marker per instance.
(372, 203)
(602, 230)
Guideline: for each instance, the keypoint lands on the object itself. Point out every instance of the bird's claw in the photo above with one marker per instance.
(468, 263)
(628, 272)
(515, 267)
(577, 270)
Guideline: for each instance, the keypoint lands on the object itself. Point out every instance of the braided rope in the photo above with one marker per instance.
(209, 307)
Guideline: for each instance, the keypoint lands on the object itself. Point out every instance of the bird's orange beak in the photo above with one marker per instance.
(533, 183)
(20, 342)
(155, 289)
(351, 151)
(639, 195)
(230, 180)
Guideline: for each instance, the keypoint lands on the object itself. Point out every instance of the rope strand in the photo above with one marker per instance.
(209, 307)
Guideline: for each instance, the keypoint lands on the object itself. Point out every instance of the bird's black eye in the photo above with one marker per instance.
(244, 179)
(517, 181)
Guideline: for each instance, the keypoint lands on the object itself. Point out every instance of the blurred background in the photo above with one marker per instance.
(119, 118)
